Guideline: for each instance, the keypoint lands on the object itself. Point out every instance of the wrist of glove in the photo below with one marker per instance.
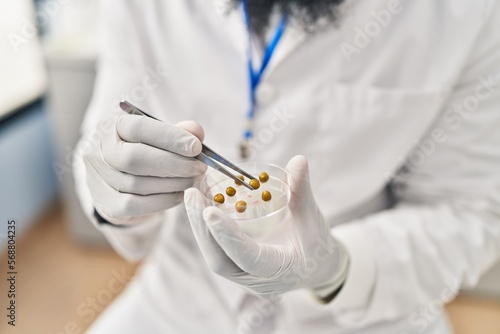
(308, 258)
(125, 222)
(329, 290)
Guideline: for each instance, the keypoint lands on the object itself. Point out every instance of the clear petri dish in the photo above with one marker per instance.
(260, 217)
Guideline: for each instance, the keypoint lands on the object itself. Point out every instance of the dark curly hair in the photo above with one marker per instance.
(305, 12)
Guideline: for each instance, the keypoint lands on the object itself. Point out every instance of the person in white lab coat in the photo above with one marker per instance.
(395, 106)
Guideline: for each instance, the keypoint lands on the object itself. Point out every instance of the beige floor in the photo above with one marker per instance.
(62, 286)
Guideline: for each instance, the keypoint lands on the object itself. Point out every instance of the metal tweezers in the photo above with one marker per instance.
(207, 155)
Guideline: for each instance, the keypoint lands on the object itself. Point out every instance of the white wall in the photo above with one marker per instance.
(23, 76)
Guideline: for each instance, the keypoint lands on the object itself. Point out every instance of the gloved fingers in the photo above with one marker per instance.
(164, 136)
(214, 255)
(306, 216)
(145, 160)
(139, 185)
(259, 260)
(301, 185)
(118, 206)
(302, 203)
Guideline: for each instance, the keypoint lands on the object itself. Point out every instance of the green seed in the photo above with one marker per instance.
(263, 177)
(219, 198)
(230, 191)
(242, 178)
(241, 206)
(254, 183)
(266, 196)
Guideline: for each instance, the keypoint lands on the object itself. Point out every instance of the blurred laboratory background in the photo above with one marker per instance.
(48, 54)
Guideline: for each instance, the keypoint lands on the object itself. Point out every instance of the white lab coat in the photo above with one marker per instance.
(357, 112)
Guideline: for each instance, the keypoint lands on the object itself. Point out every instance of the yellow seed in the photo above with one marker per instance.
(263, 177)
(254, 183)
(219, 198)
(266, 196)
(242, 178)
(241, 206)
(230, 191)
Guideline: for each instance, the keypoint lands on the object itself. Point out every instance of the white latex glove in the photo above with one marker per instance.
(137, 166)
(311, 257)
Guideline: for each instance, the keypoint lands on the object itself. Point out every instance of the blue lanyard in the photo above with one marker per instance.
(256, 76)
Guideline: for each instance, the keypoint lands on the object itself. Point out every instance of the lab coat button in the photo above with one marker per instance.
(265, 93)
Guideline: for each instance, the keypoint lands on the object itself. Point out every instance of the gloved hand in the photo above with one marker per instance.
(137, 166)
(311, 258)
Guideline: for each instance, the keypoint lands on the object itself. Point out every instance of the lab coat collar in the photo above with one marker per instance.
(295, 36)
(233, 25)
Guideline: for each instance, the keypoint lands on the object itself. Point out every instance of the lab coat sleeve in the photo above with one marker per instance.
(444, 231)
(118, 75)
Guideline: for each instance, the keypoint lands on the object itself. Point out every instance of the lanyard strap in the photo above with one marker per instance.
(255, 76)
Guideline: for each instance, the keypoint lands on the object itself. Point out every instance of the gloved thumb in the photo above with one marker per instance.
(194, 128)
(302, 199)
